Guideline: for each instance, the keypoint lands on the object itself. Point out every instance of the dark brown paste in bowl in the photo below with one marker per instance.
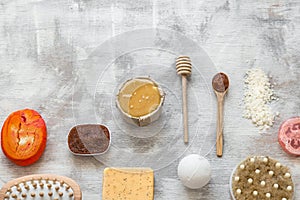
(89, 139)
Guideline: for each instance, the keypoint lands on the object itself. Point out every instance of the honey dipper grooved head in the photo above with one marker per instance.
(183, 65)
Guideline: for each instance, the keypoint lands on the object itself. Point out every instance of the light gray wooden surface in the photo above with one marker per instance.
(44, 46)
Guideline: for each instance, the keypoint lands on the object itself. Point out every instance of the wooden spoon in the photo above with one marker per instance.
(220, 84)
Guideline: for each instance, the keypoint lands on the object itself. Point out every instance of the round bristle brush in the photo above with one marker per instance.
(41, 186)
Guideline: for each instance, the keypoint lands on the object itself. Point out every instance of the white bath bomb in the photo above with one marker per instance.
(194, 171)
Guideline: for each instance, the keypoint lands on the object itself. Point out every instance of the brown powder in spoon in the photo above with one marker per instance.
(220, 82)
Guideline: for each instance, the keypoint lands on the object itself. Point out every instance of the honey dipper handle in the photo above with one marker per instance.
(220, 100)
(184, 108)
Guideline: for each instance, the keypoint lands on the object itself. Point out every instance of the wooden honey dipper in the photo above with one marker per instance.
(184, 68)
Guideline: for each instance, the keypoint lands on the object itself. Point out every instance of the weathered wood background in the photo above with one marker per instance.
(44, 46)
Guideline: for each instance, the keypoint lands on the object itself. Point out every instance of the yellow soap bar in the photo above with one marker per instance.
(128, 183)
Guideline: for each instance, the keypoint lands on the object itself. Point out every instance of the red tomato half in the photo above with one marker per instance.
(24, 137)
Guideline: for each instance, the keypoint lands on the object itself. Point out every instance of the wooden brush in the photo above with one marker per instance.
(41, 186)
